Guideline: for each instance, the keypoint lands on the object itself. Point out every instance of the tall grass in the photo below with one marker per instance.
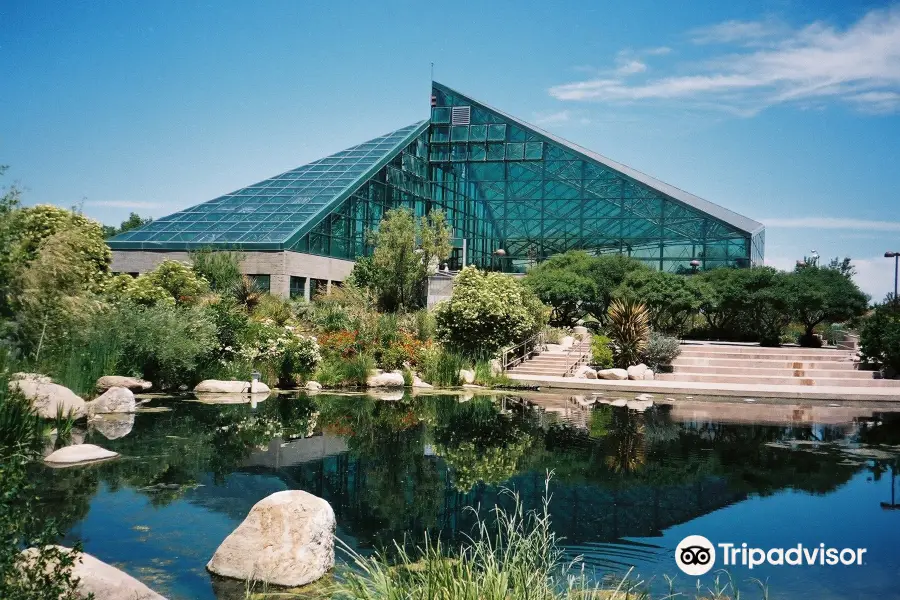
(96, 352)
(21, 429)
(345, 372)
(442, 368)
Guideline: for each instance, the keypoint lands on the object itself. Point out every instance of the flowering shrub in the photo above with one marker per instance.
(281, 350)
(345, 344)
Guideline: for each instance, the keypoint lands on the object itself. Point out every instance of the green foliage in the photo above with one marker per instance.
(171, 282)
(661, 350)
(134, 221)
(280, 352)
(273, 308)
(671, 299)
(488, 311)
(404, 255)
(335, 372)
(222, 269)
(820, 294)
(576, 283)
(879, 337)
(601, 352)
(629, 329)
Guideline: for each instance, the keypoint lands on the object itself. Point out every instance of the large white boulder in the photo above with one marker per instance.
(114, 400)
(104, 581)
(567, 341)
(636, 372)
(496, 368)
(47, 398)
(616, 374)
(649, 375)
(313, 386)
(287, 540)
(36, 377)
(113, 426)
(467, 376)
(419, 384)
(132, 383)
(218, 386)
(391, 379)
(78, 455)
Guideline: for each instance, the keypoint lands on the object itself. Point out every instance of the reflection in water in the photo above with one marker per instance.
(398, 470)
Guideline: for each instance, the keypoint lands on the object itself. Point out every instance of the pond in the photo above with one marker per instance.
(629, 482)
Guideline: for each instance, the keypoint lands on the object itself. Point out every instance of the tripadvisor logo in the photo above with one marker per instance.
(695, 555)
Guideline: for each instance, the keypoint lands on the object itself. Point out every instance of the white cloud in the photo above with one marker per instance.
(552, 118)
(123, 203)
(832, 223)
(859, 65)
(631, 67)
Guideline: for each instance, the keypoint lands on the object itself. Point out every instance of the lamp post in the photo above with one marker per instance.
(896, 257)
(499, 252)
(815, 258)
(695, 265)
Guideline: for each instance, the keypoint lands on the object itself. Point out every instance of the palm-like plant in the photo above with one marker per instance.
(247, 292)
(629, 330)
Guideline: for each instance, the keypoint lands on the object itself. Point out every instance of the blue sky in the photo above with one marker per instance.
(784, 111)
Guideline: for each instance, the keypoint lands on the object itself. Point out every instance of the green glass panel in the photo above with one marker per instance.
(534, 150)
(515, 151)
(458, 152)
(497, 133)
(440, 114)
(459, 133)
(440, 134)
(496, 151)
(477, 133)
(440, 153)
(477, 152)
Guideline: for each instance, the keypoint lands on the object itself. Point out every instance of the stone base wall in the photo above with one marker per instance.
(280, 266)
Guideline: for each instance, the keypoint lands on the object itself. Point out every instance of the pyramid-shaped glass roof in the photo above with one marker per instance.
(272, 214)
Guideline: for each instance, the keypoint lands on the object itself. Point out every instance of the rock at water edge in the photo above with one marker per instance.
(287, 540)
(104, 581)
(48, 398)
(467, 376)
(114, 400)
(614, 374)
(636, 372)
(386, 380)
(78, 454)
(134, 384)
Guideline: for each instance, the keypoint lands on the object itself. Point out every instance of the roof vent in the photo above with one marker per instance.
(460, 115)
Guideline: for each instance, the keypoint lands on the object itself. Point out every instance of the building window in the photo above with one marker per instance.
(298, 287)
(263, 282)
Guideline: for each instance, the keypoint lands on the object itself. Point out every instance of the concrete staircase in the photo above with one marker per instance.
(747, 364)
(554, 361)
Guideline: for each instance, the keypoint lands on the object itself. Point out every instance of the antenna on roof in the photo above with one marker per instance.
(432, 71)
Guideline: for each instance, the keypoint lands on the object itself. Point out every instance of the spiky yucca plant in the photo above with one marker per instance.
(629, 330)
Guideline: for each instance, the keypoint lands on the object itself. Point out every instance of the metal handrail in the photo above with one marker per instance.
(523, 350)
(582, 357)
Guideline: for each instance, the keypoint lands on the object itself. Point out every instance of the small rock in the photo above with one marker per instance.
(78, 454)
(467, 376)
(649, 375)
(113, 426)
(586, 373)
(639, 405)
(615, 374)
(636, 372)
(287, 540)
(47, 398)
(579, 330)
(643, 397)
(132, 383)
(104, 581)
(313, 386)
(418, 383)
(386, 380)
(114, 400)
(216, 386)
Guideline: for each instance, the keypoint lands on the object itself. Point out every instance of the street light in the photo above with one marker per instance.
(814, 254)
(896, 257)
(500, 252)
(695, 264)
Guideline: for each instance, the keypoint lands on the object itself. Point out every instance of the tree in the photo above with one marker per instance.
(222, 269)
(577, 283)
(824, 294)
(843, 266)
(488, 311)
(134, 221)
(401, 266)
(879, 337)
(671, 299)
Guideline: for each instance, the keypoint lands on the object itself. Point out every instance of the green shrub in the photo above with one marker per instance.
(601, 352)
(554, 335)
(879, 338)
(280, 352)
(488, 311)
(273, 308)
(357, 369)
(661, 350)
(629, 330)
(334, 372)
(220, 268)
(170, 282)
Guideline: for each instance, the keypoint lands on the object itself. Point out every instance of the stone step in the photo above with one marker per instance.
(784, 350)
(756, 370)
(770, 364)
(808, 381)
(795, 356)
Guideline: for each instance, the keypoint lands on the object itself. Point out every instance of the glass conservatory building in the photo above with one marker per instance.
(514, 195)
